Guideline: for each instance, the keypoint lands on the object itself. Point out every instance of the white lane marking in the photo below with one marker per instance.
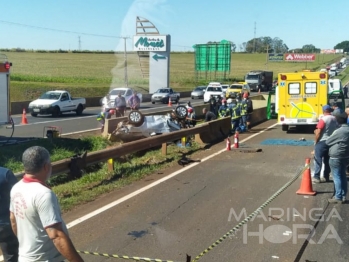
(141, 190)
(78, 132)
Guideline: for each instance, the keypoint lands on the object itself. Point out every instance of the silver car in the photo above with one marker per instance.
(198, 92)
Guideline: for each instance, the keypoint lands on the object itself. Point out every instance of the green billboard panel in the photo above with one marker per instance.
(213, 56)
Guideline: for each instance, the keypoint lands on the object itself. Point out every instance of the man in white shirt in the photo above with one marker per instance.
(35, 213)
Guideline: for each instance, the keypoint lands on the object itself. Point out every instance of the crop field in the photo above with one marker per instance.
(93, 74)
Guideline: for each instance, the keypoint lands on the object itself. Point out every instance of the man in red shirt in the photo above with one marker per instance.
(324, 129)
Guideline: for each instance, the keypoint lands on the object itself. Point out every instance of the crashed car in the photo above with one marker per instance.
(139, 126)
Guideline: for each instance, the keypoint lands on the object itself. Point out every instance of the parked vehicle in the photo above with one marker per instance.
(55, 103)
(237, 88)
(332, 72)
(198, 92)
(334, 85)
(214, 89)
(5, 112)
(139, 126)
(299, 98)
(224, 88)
(259, 79)
(164, 95)
(124, 91)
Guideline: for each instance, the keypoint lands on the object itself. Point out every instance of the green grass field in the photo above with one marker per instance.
(93, 74)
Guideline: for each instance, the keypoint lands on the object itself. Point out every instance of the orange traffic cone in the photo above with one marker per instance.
(169, 102)
(24, 117)
(306, 185)
(228, 146)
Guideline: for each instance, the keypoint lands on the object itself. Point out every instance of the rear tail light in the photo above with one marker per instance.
(322, 76)
(283, 77)
(282, 119)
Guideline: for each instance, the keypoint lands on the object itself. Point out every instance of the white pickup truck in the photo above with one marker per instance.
(55, 103)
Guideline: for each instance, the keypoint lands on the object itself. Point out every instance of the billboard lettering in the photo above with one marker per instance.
(276, 57)
(299, 57)
(153, 43)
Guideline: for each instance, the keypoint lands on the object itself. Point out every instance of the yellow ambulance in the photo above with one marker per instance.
(299, 98)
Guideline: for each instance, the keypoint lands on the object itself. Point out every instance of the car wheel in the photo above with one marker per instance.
(56, 111)
(136, 118)
(181, 112)
(192, 97)
(79, 110)
(284, 128)
(34, 114)
(153, 102)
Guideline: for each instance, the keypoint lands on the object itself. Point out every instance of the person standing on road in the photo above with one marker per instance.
(134, 101)
(249, 109)
(224, 110)
(8, 240)
(338, 144)
(235, 111)
(324, 129)
(35, 213)
(345, 91)
(120, 105)
(335, 109)
(213, 103)
(347, 112)
(208, 115)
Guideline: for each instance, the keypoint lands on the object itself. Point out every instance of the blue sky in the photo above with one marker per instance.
(189, 22)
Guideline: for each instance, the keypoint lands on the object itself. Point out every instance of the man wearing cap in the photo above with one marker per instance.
(324, 129)
(338, 144)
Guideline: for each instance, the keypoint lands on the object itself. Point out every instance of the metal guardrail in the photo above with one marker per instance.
(63, 165)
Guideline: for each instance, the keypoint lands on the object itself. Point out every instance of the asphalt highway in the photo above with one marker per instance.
(181, 211)
(70, 122)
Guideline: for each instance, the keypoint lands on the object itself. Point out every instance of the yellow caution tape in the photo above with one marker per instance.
(255, 213)
(124, 257)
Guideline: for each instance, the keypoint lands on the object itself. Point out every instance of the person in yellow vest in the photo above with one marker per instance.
(235, 115)
(223, 110)
(102, 116)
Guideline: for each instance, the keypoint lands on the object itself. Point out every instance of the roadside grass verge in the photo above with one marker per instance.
(59, 148)
(96, 180)
(127, 169)
(89, 75)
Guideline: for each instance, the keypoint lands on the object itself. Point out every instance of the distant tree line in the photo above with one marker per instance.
(256, 45)
(56, 51)
(343, 45)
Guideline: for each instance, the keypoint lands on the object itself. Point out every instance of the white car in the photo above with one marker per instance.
(224, 88)
(124, 91)
(214, 89)
(139, 126)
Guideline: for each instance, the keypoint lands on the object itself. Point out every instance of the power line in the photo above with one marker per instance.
(56, 30)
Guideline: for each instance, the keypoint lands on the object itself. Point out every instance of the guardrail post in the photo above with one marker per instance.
(184, 139)
(110, 165)
(164, 149)
(198, 139)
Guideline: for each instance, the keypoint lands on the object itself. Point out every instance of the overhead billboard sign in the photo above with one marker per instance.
(328, 51)
(299, 57)
(149, 43)
(276, 57)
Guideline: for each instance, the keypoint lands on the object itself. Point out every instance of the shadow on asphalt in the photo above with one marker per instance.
(301, 130)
